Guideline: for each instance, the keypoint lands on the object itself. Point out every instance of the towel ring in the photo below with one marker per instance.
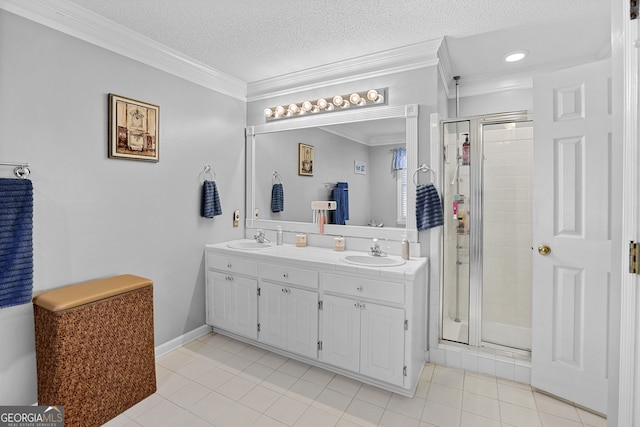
(424, 168)
(275, 176)
(208, 171)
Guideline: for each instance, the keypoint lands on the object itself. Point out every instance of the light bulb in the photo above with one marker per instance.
(279, 111)
(268, 112)
(294, 108)
(362, 102)
(380, 99)
(337, 100)
(329, 107)
(346, 104)
(372, 95)
(322, 103)
(354, 98)
(315, 109)
(306, 106)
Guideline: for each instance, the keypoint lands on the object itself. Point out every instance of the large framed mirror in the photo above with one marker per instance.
(355, 147)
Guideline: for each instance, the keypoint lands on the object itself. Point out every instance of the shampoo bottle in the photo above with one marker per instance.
(466, 150)
(279, 236)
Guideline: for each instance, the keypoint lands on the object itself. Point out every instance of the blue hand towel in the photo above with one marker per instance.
(277, 198)
(16, 241)
(210, 200)
(428, 207)
(345, 199)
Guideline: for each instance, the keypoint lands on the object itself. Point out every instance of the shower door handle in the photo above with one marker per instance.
(544, 250)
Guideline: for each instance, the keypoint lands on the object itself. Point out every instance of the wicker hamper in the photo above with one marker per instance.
(94, 348)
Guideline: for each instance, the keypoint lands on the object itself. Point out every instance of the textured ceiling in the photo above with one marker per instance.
(254, 40)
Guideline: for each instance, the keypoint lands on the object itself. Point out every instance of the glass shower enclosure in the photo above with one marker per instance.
(487, 233)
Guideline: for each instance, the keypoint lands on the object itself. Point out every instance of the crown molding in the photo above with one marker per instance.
(444, 68)
(406, 58)
(71, 19)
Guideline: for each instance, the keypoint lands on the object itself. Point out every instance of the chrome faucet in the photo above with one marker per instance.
(260, 238)
(375, 249)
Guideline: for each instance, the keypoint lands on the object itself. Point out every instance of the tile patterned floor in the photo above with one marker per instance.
(221, 382)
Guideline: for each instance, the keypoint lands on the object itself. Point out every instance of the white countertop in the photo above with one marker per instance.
(325, 258)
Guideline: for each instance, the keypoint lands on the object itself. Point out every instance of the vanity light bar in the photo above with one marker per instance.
(365, 98)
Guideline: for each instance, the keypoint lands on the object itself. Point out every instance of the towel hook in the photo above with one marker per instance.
(424, 168)
(208, 171)
(275, 176)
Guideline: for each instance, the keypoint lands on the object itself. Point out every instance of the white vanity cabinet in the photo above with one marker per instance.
(232, 294)
(288, 308)
(366, 323)
(364, 334)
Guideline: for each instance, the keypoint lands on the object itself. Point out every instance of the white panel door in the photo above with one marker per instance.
(341, 332)
(302, 322)
(572, 217)
(219, 293)
(244, 307)
(273, 315)
(382, 343)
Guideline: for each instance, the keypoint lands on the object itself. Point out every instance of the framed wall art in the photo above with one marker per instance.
(133, 129)
(305, 159)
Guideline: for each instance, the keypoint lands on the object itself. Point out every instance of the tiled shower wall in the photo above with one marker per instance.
(507, 225)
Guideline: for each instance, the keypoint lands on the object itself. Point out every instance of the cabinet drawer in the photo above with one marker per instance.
(290, 275)
(364, 288)
(232, 264)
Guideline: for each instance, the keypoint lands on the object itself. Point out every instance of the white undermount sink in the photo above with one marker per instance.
(372, 261)
(248, 244)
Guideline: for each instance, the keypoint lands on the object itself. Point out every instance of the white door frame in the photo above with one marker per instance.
(625, 55)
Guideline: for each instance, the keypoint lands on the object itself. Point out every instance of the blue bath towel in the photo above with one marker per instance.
(340, 195)
(210, 204)
(428, 207)
(16, 241)
(277, 198)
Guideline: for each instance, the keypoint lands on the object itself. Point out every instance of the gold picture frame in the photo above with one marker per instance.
(133, 129)
(305, 159)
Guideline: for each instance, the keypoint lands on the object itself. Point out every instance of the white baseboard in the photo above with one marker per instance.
(182, 340)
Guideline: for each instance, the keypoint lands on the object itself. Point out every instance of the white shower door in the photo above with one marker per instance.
(572, 233)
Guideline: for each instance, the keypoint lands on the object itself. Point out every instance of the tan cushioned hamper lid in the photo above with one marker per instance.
(84, 293)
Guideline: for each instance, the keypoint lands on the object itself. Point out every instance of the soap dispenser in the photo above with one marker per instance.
(405, 247)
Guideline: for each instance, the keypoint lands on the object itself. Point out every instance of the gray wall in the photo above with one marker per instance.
(96, 217)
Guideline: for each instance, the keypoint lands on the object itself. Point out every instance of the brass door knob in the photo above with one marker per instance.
(544, 250)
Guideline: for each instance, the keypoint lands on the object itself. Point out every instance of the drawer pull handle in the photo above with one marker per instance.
(356, 305)
(229, 265)
(230, 278)
(286, 291)
(361, 305)
(359, 289)
(285, 275)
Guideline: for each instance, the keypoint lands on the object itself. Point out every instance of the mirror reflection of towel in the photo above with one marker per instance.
(277, 198)
(16, 241)
(210, 204)
(340, 195)
(428, 207)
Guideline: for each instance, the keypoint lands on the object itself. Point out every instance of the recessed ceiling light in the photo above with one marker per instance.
(515, 56)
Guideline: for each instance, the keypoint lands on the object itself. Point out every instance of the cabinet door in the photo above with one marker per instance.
(245, 306)
(341, 332)
(233, 303)
(302, 322)
(273, 314)
(219, 296)
(382, 343)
